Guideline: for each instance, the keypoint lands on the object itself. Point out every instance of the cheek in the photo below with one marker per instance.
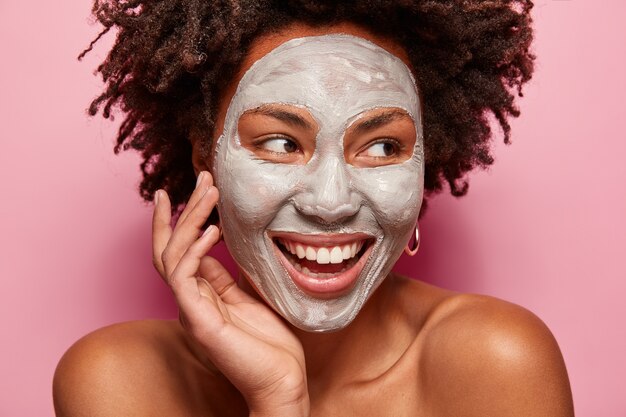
(394, 194)
(252, 191)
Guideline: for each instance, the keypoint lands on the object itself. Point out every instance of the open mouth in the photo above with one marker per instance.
(323, 265)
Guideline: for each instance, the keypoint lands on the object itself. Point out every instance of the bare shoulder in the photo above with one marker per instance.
(481, 356)
(110, 370)
(137, 368)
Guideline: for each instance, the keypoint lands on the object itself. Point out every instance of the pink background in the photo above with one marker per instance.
(544, 228)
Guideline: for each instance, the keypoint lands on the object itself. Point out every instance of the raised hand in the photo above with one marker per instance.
(241, 336)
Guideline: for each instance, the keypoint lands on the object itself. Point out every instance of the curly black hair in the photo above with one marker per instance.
(172, 60)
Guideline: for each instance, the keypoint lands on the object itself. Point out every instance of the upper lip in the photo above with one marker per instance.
(321, 239)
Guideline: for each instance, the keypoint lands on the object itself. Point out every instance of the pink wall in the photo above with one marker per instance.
(545, 228)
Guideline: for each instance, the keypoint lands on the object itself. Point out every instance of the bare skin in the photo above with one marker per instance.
(413, 350)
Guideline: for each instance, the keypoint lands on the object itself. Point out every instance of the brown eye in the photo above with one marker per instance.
(279, 145)
(381, 150)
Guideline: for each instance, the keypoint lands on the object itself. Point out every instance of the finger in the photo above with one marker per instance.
(186, 232)
(206, 290)
(161, 228)
(193, 315)
(192, 293)
(183, 279)
(203, 181)
(222, 281)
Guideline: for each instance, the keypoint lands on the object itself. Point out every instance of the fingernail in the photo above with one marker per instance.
(156, 197)
(199, 180)
(208, 230)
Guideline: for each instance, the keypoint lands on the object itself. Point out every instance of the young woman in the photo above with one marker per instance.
(314, 130)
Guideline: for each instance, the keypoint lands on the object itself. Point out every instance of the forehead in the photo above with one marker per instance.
(330, 75)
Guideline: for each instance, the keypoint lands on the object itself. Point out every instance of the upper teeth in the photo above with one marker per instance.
(323, 255)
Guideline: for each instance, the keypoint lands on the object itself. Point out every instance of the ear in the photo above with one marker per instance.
(199, 155)
(201, 160)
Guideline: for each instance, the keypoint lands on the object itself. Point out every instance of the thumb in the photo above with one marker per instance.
(222, 282)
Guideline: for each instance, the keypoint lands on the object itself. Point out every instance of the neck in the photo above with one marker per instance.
(320, 348)
(361, 351)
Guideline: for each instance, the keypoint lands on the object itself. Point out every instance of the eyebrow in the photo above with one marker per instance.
(379, 120)
(290, 118)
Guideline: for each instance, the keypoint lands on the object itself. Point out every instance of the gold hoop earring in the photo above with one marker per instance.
(416, 245)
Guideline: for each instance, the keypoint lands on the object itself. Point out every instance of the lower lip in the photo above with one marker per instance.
(325, 288)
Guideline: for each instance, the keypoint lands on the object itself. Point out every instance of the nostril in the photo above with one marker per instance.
(328, 214)
(336, 213)
(327, 193)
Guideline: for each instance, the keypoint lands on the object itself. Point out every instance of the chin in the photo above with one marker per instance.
(320, 282)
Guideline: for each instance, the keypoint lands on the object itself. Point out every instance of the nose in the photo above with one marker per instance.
(327, 193)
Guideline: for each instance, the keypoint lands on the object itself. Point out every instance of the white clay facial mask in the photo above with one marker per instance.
(320, 171)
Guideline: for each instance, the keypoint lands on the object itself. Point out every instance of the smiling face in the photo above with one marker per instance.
(320, 172)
